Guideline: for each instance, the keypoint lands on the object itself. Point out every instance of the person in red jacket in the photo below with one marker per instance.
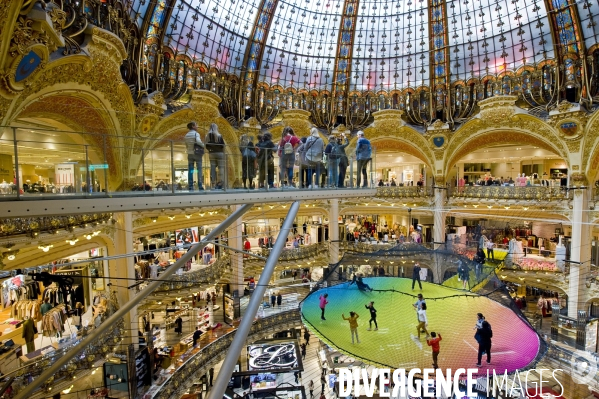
(434, 343)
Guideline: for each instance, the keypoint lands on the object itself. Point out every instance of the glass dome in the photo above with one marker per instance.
(394, 42)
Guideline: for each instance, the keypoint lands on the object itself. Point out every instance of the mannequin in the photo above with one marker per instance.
(4, 187)
(29, 334)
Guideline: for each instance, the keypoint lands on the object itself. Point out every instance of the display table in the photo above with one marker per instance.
(37, 353)
(9, 331)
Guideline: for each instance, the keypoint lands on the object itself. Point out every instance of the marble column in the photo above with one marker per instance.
(235, 233)
(124, 268)
(439, 215)
(334, 231)
(580, 251)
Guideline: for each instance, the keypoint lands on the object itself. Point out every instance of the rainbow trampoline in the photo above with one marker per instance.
(451, 312)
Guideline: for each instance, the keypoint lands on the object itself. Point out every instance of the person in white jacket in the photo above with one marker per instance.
(422, 320)
(313, 149)
(194, 157)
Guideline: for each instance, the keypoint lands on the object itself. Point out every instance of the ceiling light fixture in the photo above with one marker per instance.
(73, 241)
(11, 255)
(44, 247)
(188, 216)
(171, 217)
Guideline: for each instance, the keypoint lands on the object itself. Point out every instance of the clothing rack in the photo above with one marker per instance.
(53, 321)
(26, 308)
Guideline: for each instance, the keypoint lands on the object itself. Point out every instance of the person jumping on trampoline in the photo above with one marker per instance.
(362, 286)
(422, 320)
(416, 276)
(434, 343)
(417, 305)
(484, 345)
(323, 304)
(353, 325)
(372, 310)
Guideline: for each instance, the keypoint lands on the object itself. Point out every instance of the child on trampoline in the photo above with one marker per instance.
(434, 343)
(353, 325)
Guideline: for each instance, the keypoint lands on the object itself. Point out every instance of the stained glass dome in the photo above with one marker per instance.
(342, 47)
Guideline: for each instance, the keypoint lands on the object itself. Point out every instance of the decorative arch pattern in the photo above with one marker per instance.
(518, 128)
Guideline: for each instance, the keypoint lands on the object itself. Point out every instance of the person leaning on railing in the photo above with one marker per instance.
(266, 163)
(195, 151)
(363, 156)
(216, 151)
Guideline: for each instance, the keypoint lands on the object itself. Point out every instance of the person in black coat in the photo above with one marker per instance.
(179, 325)
(307, 336)
(196, 336)
(416, 276)
(279, 299)
(484, 342)
(273, 300)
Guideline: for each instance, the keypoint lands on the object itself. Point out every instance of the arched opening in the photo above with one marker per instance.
(64, 144)
(399, 163)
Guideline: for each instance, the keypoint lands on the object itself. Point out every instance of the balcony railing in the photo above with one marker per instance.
(364, 247)
(532, 193)
(308, 251)
(404, 192)
(60, 167)
(212, 272)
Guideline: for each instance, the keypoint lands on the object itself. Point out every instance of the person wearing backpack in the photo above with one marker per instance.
(248, 160)
(332, 162)
(343, 160)
(216, 153)
(286, 153)
(363, 156)
(195, 151)
(266, 163)
(302, 163)
(485, 333)
(313, 149)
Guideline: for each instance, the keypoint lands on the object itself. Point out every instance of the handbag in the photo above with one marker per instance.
(248, 153)
(198, 149)
(76, 320)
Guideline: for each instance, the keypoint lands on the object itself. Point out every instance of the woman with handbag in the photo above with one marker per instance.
(77, 322)
(248, 160)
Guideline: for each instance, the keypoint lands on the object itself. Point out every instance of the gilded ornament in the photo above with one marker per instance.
(564, 106)
(578, 179)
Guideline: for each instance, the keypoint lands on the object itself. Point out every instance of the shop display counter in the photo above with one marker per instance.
(37, 353)
(9, 331)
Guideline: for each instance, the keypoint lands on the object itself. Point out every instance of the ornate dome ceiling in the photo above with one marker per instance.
(419, 54)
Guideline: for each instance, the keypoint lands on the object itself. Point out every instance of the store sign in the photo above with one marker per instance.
(272, 356)
(97, 167)
(65, 174)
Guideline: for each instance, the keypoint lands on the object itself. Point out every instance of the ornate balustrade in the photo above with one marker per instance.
(199, 363)
(529, 193)
(308, 251)
(363, 247)
(404, 192)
